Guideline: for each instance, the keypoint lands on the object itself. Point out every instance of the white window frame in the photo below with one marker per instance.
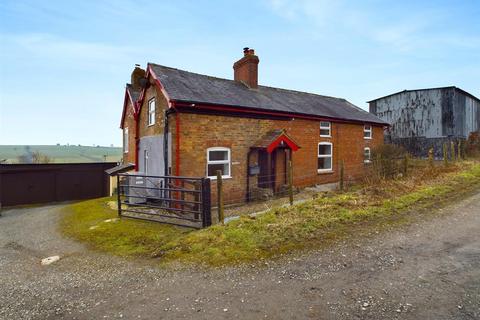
(229, 161)
(329, 128)
(325, 156)
(369, 159)
(370, 131)
(125, 140)
(151, 112)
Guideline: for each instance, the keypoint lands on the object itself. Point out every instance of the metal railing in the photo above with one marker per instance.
(183, 201)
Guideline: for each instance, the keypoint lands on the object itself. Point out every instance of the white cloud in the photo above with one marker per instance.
(318, 11)
(61, 49)
(400, 36)
(399, 30)
(338, 16)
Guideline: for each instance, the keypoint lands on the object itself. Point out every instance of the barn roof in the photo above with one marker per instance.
(424, 89)
(184, 86)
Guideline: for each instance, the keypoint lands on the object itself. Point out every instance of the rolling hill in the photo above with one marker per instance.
(62, 153)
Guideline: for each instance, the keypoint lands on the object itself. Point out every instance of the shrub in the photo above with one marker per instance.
(472, 147)
(389, 151)
(34, 157)
(387, 161)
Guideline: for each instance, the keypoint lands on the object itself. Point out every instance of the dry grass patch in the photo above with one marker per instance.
(309, 224)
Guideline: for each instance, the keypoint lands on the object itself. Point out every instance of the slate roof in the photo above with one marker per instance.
(133, 93)
(269, 137)
(197, 88)
(121, 168)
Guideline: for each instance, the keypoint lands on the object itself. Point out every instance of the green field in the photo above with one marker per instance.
(62, 153)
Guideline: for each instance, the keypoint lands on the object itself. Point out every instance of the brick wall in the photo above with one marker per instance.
(199, 132)
(161, 105)
(144, 129)
(129, 122)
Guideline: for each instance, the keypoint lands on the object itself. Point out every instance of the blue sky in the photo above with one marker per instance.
(64, 64)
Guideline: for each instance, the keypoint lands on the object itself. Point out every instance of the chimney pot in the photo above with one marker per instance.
(246, 69)
(136, 78)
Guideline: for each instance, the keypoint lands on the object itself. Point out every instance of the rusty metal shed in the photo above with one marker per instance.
(427, 118)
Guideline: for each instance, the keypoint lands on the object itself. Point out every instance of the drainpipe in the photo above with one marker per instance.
(137, 139)
(165, 142)
(248, 174)
(177, 147)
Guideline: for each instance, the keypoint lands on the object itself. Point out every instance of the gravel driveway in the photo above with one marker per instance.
(428, 270)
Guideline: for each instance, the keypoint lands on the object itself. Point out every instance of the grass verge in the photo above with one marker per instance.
(310, 224)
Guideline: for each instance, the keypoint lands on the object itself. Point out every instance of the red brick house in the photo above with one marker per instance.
(186, 124)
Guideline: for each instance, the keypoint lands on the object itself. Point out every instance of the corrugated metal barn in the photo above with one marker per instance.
(426, 118)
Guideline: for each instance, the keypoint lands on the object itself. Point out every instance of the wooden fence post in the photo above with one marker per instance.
(290, 181)
(452, 150)
(119, 199)
(220, 197)
(342, 175)
(459, 152)
(445, 154)
(430, 157)
(206, 203)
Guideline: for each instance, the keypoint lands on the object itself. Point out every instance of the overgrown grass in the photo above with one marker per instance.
(96, 223)
(310, 224)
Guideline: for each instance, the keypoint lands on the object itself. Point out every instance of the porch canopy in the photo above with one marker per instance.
(121, 168)
(274, 139)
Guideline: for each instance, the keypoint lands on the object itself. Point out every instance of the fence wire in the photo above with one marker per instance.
(235, 193)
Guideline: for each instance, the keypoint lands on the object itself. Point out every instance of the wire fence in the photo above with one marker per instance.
(307, 185)
(178, 198)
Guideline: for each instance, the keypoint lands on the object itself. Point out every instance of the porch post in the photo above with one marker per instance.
(270, 167)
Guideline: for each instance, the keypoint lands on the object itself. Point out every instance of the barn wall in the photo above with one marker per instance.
(424, 119)
(451, 119)
(412, 114)
(472, 114)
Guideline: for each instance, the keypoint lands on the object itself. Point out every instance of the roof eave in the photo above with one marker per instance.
(128, 96)
(424, 89)
(124, 109)
(245, 109)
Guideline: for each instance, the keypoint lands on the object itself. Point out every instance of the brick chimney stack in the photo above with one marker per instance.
(246, 69)
(137, 74)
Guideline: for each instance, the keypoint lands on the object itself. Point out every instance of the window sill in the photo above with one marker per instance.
(151, 125)
(326, 171)
(223, 177)
(325, 136)
(367, 138)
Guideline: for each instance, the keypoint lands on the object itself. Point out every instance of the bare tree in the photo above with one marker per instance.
(34, 157)
(38, 157)
(24, 158)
